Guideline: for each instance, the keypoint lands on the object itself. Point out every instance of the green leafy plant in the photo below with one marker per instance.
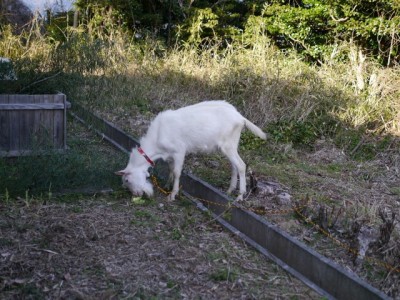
(298, 133)
(143, 218)
(224, 274)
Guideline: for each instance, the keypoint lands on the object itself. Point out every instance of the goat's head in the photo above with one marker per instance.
(137, 181)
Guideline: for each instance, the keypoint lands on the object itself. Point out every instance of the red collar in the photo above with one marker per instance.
(140, 150)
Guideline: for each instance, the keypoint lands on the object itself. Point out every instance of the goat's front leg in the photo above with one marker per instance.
(176, 172)
(242, 178)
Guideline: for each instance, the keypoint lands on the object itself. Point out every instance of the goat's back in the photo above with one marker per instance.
(200, 127)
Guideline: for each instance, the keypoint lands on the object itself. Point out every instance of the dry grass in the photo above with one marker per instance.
(106, 69)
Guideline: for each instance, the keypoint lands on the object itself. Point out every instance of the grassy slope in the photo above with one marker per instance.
(333, 128)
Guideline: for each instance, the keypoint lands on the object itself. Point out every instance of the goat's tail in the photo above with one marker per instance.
(255, 129)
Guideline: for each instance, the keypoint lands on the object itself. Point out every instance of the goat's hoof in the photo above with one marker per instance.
(239, 198)
(171, 198)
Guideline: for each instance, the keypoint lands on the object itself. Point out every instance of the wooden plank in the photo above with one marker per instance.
(48, 121)
(38, 130)
(25, 120)
(58, 127)
(67, 105)
(32, 122)
(4, 126)
(17, 153)
(31, 106)
(14, 125)
(3, 98)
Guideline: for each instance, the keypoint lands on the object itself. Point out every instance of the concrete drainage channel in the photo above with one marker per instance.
(316, 271)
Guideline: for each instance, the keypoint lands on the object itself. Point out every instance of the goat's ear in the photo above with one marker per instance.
(120, 173)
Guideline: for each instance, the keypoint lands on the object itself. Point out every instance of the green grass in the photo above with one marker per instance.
(88, 163)
(224, 274)
(142, 217)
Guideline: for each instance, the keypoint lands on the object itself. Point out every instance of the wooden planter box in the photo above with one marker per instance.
(32, 123)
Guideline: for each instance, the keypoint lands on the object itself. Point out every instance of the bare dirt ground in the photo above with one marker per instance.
(113, 247)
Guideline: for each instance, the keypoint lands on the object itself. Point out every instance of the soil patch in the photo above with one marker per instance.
(103, 248)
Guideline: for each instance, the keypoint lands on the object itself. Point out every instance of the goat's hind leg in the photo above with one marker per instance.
(238, 167)
(234, 180)
(241, 167)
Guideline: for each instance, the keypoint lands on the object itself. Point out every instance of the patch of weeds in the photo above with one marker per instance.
(365, 152)
(215, 256)
(189, 221)
(276, 157)
(359, 145)
(208, 214)
(184, 202)
(347, 138)
(142, 293)
(22, 228)
(227, 215)
(250, 142)
(68, 198)
(334, 168)
(174, 289)
(300, 134)
(115, 285)
(31, 291)
(43, 242)
(176, 234)
(143, 218)
(372, 272)
(324, 199)
(5, 197)
(286, 174)
(224, 274)
(76, 209)
(143, 214)
(4, 242)
(308, 168)
(395, 190)
(94, 270)
(142, 104)
(120, 193)
(217, 178)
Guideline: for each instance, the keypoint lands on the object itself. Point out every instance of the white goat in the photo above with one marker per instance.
(203, 127)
